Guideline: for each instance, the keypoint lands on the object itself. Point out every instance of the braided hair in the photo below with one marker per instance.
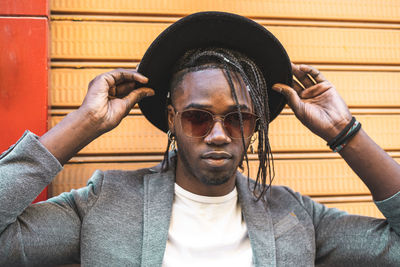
(234, 64)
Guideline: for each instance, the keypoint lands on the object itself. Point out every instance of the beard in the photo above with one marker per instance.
(214, 180)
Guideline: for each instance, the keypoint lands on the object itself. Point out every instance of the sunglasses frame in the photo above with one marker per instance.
(216, 117)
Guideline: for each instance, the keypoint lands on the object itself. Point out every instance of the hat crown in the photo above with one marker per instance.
(211, 29)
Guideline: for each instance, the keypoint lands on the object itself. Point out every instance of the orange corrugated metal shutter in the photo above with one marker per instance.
(356, 48)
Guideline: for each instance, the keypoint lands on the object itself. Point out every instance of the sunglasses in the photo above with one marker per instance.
(198, 123)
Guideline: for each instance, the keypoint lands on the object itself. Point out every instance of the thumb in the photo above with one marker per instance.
(290, 94)
(136, 95)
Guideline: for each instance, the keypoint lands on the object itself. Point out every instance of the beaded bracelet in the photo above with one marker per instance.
(340, 141)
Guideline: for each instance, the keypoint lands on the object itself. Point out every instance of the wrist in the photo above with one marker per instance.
(353, 145)
(336, 128)
(349, 131)
(88, 121)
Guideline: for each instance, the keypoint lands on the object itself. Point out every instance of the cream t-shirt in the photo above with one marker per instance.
(207, 231)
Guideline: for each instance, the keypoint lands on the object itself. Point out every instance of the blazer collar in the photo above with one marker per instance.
(158, 199)
(259, 223)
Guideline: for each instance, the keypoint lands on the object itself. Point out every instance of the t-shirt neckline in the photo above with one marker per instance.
(205, 199)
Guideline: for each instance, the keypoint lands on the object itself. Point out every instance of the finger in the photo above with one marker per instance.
(124, 75)
(302, 76)
(290, 94)
(136, 95)
(297, 86)
(140, 77)
(314, 73)
(316, 90)
(119, 76)
(121, 90)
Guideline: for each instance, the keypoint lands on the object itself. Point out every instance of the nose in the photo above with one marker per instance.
(217, 134)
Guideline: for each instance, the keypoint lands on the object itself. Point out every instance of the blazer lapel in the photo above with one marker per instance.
(158, 198)
(259, 224)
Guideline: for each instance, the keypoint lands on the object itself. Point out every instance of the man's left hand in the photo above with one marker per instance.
(315, 102)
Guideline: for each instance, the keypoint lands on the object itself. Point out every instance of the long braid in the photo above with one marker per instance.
(228, 74)
(233, 62)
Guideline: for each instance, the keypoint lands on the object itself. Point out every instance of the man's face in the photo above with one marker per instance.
(208, 162)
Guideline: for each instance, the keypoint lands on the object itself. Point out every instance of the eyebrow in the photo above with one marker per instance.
(207, 107)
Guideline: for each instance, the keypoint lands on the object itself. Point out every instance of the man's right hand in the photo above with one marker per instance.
(110, 97)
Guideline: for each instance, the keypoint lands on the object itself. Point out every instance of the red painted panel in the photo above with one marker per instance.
(24, 7)
(23, 78)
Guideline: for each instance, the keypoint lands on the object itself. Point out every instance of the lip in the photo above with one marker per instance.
(216, 155)
(216, 158)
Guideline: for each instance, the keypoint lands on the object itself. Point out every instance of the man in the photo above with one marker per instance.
(195, 208)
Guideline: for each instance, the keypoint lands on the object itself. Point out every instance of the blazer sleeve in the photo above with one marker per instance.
(352, 240)
(45, 233)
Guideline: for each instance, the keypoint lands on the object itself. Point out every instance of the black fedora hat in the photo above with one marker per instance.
(211, 29)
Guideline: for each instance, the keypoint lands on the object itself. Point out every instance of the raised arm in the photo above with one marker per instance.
(48, 233)
(317, 104)
(109, 99)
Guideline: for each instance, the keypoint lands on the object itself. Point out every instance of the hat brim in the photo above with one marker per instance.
(211, 29)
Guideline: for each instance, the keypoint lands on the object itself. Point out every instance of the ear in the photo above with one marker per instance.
(171, 118)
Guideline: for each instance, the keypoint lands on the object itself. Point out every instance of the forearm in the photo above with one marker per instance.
(373, 165)
(69, 136)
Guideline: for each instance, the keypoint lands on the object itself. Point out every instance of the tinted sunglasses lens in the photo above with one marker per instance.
(196, 123)
(232, 124)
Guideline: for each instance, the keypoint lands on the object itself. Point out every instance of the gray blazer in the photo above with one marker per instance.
(122, 218)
